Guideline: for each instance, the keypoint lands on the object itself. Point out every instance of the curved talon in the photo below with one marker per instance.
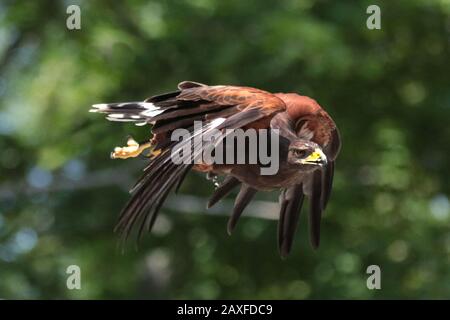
(132, 150)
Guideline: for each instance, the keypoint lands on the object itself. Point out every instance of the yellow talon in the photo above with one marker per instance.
(132, 150)
(155, 153)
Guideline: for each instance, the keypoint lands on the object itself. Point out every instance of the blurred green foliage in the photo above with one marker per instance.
(388, 91)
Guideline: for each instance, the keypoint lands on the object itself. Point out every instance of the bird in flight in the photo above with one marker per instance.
(309, 143)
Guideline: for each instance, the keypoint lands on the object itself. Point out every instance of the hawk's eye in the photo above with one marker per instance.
(300, 153)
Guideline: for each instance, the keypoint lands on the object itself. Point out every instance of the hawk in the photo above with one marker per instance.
(309, 145)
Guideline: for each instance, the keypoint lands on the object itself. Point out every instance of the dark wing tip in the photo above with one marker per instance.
(285, 250)
(291, 201)
(315, 208)
(242, 200)
(223, 190)
(230, 227)
(327, 184)
(315, 239)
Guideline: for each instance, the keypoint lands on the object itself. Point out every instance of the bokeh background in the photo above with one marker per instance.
(60, 194)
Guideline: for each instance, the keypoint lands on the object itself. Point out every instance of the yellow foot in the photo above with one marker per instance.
(132, 150)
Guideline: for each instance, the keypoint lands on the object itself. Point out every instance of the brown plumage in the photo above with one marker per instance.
(309, 145)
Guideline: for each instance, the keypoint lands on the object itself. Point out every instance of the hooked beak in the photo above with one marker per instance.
(317, 158)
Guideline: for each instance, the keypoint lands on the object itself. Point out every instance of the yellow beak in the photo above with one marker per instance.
(317, 158)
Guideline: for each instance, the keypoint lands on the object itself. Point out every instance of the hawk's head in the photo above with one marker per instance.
(306, 154)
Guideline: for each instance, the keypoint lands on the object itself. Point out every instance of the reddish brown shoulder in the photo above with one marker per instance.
(307, 112)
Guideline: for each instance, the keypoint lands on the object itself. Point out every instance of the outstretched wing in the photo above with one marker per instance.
(240, 106)
(219, 107)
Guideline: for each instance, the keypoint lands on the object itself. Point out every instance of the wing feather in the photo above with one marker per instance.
(315, 208)
(159, 178)
(223, 190)
(327, 184)
(291, 201)
(242, 200)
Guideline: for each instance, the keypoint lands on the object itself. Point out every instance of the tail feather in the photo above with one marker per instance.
(127, 111)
